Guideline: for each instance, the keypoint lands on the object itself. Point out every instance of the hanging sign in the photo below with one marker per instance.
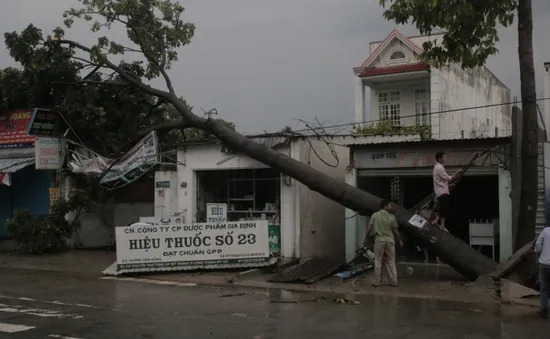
(43, 123)
(216, 212)
(13, 129)
(131, 166)
(145, 247)
(47, 153)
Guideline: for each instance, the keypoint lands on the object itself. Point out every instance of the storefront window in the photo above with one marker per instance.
(249, 194)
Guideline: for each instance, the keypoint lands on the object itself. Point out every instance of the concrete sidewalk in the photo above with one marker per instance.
(80, 261)
(427, 281)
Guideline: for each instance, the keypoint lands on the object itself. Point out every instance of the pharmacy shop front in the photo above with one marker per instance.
(219, 186)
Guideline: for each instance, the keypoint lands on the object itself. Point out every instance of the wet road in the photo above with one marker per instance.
(50, 305)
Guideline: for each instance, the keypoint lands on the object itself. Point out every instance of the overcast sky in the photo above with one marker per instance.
(264, 64)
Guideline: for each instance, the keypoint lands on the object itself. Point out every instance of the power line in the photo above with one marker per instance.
(401, 117)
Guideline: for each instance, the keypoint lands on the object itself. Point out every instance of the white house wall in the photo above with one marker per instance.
(322, 231)
(471, 88)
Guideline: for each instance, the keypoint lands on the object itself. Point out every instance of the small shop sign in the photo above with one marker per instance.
(216, 212)
(144, 247)
(47, 153)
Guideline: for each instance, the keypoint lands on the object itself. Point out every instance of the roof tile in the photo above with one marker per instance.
(419, 66)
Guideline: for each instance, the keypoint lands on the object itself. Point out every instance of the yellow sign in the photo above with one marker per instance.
(55, 193)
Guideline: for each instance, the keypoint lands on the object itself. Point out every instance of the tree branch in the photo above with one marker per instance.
(160, 66)
(123, 74)
(159, 129)
(92, 82)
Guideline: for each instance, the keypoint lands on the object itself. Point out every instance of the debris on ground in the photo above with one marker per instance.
(231, 278)
(309, 271)
(341, 300)
(232, 295)
(363, 261)
(295, 301)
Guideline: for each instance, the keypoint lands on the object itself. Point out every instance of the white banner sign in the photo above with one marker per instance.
(145, 246)
(47, 153)
(216, 213)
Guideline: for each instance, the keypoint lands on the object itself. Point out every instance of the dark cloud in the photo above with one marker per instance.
(263, 64)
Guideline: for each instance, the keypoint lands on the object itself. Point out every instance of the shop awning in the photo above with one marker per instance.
(11, 165)
(15, 164)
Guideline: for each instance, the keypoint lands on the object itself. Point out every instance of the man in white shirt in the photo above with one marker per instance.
(542, 248)
(441, 187)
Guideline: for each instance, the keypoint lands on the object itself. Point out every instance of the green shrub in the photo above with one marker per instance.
(48, 233)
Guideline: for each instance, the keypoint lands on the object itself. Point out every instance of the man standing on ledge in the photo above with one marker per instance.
(441, 187)
(384, 226)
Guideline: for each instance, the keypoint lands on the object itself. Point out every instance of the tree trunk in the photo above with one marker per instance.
(529, 143)
(459, 255)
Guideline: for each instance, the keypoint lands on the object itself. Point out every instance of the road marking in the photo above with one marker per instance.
(10, 328)
(3, 296)
(152, 281)
(37, 312)
(61, 337)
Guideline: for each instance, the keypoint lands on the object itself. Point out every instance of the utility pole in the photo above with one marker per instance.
(529, 143)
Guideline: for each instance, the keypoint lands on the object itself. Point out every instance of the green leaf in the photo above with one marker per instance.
(470, 27)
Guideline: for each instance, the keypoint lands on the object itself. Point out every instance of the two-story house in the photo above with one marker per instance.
(456, 103)
(459, 111)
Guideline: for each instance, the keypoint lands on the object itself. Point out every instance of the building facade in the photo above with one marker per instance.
(464, 112)
(22, 187)
(393, 84)
(305, 223)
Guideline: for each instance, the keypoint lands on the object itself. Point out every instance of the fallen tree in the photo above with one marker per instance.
(157, 36)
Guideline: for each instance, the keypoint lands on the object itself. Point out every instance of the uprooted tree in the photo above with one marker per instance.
(156, 30)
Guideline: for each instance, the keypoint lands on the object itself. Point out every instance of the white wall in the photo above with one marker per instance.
(322, 230)
(454, 88)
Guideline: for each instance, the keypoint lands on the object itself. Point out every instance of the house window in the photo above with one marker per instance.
(389, 107)
(397, 55)
(422, 106)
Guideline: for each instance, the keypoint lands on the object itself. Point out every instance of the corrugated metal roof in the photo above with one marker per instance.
(15, 164)
(396, 139)
(310, 271)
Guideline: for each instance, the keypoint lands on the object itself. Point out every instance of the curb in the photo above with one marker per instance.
(381, 291)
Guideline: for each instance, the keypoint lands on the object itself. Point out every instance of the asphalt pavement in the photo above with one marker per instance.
(41, 304)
